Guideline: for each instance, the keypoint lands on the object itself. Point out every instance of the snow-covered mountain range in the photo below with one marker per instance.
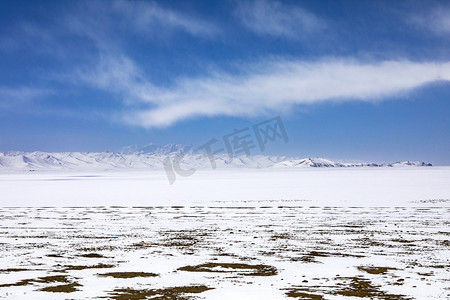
(153, 156)
(322, 162)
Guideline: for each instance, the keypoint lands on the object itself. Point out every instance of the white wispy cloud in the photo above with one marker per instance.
(436, 20)
(149, 16)
(267, 87)
(274, 18)
(119, 75)
(107, 21)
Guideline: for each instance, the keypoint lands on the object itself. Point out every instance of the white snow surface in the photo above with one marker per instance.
(320, 228)
(365, 186)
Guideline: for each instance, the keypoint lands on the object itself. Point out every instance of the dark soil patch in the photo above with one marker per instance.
(426, 273)
(54, 278)
(439, 266)
(252, 270)
(65, 288)
(170, 293)
(92, 255)
(14, 270)
(311, 256)
(350, 287)
(375, 270)
(19, 283)
(47, 279)
(128, 274)
(302, 295)
(55, 255)
(361, 287)
(99, 266)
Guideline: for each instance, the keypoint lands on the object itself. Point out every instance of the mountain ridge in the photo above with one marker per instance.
(153, 157)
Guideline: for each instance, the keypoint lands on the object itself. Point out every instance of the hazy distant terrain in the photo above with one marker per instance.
(153, 158)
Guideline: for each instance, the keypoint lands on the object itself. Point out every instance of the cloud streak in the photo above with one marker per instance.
(107, 21)
(272, 86)
(436, 20)
(118, 75)
(277, 19)
(148, 16)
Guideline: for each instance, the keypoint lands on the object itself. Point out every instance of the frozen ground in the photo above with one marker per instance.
(242, 234)
(407, 186)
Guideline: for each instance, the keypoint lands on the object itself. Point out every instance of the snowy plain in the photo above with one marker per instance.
(380, 186)
(290, 233)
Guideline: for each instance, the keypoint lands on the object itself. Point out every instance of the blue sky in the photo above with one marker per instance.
(352, 80)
